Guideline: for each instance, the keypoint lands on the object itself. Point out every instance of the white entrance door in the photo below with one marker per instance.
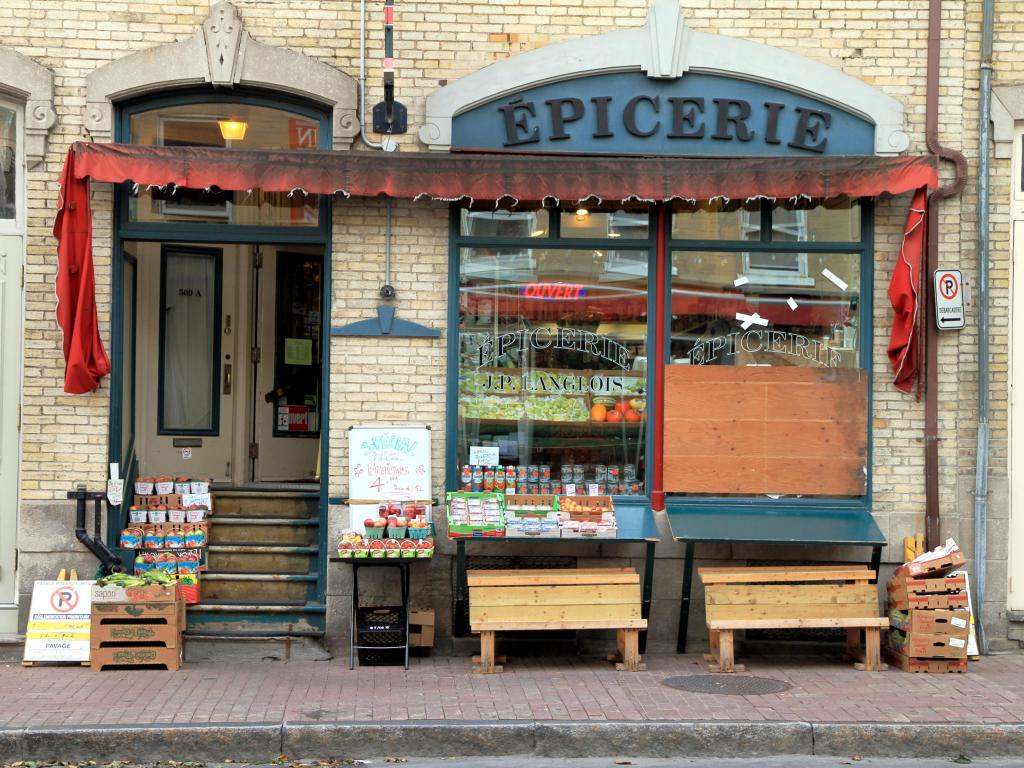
(11, 254)
(287, 365)
(188, 360)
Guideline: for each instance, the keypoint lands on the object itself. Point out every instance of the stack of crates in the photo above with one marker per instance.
(380, 635)
(929, 616)
(137, 627)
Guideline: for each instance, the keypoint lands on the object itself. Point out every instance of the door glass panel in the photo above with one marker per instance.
(225, 125)
(8, 163)
(128, 362)
(297, 355)
(189, 340)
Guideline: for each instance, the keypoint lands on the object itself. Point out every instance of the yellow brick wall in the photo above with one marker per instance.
(880, 41)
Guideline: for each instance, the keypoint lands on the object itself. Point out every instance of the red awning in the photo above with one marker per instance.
(413, 175)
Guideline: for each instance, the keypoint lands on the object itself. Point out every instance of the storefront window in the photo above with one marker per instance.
(8, 163)
(552, 357)
(223, 125)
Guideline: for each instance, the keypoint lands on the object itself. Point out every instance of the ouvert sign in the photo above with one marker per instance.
(629, 113)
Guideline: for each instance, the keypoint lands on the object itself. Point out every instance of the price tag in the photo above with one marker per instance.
(592, 489)
(115, 492)
(956, 621)
(570, 489)
(957, 642)
(483, 455)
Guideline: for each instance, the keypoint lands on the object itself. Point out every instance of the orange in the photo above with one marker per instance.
(598, 413)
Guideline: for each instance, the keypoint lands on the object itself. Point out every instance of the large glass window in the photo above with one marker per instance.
(190, 341)
(8, 163)
(552, 355)
(222, 125)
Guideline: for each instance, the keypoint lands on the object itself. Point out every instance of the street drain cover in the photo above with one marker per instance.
(731, 685)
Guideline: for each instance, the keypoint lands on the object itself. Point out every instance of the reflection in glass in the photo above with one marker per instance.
(8, 163)
(807, 321)
(552, 366)
(835, 220)
(200, 125)
(297, 363)
(189, 331)
(716, 220)
(624, 224)
(504, 223)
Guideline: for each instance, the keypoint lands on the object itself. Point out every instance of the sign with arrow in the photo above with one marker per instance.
(949, 299)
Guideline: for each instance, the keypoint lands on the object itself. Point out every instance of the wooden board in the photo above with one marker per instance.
(797, 594)
(768, 575)
(740, 429)
(745, 612)
(810, 623)
(552, 613)
(568, 594)
(485, 626)
(527, 578)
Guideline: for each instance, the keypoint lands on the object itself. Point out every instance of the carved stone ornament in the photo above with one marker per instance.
(25, 81)
(220, 53)
(665, 48)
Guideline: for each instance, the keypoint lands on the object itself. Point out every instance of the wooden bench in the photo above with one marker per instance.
(587, 598)
(794, 597)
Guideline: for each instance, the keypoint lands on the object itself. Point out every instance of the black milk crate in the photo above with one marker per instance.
(379, 629)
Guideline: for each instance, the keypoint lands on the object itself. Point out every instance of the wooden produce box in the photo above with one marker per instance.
(908, 664)
(792, 604)
(921, 646)
(570, 503)
(136, 634)
(167, 500)
(933, 568)
(135, 657)
(932, 622)
(154, 593)
(945, 592)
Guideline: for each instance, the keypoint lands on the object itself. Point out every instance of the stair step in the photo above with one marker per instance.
(264, 549)
(234, 606)
(259, 577)
(292, 521)
(249, 634)
(291, 504)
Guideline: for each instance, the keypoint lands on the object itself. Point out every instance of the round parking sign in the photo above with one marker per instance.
(949, 285)
(64, 599)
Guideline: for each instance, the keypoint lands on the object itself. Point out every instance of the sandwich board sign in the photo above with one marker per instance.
(58, 622)
(949, 299)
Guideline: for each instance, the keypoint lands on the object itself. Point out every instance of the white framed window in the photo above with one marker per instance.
(12, 167)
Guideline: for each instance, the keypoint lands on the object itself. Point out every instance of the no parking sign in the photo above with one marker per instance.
(949, 299)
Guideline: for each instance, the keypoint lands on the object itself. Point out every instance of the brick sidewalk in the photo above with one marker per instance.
(530, 689)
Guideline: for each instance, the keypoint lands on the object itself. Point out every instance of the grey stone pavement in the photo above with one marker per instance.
(541, 707)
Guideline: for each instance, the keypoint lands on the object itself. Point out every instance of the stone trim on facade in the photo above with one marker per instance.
(665, 48)
(31, 83)
(221, 53)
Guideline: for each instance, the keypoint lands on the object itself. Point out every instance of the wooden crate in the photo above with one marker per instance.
(933, 666)
(795, 597)
(136, 634)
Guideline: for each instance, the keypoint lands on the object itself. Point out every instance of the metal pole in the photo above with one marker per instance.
(362, 78)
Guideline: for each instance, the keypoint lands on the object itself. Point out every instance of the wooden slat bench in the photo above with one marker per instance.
(586, 598)
(793, 597)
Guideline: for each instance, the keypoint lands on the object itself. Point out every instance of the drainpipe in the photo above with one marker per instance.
(362, 79)
(931, 385)
(981, 452)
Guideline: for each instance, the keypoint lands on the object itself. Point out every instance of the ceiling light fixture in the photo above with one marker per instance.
(232, 130)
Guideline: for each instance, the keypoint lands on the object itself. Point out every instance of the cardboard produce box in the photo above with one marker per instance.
(933, 568)
(153, 593)
(947, 592)
(932, 622)
(920, 646)
(421, 628)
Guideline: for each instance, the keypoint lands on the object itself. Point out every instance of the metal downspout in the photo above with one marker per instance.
(931, 385)
(362, 79)
(981, 453)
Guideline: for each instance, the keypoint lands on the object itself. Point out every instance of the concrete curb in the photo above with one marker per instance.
(261, 742)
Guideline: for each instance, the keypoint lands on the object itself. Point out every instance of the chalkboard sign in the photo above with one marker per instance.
(388, 464)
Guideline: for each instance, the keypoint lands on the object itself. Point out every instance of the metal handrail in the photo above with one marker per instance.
(93, 543)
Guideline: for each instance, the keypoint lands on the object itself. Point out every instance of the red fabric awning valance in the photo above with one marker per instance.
(491, 177)
(415, 175)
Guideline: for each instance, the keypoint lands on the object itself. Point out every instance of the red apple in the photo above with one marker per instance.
(623, 407)
(369, 522)
(614, 416)
(392, 520)
(632, 415)
(380, 522)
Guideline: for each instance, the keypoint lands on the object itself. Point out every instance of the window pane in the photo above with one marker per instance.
(297, 361)
(552, 366)
(502, 223)
(188, 365)
(583, 222)
(220, 126)
(795, 313)
(8, 163)
(836, 220)
(716, 220)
